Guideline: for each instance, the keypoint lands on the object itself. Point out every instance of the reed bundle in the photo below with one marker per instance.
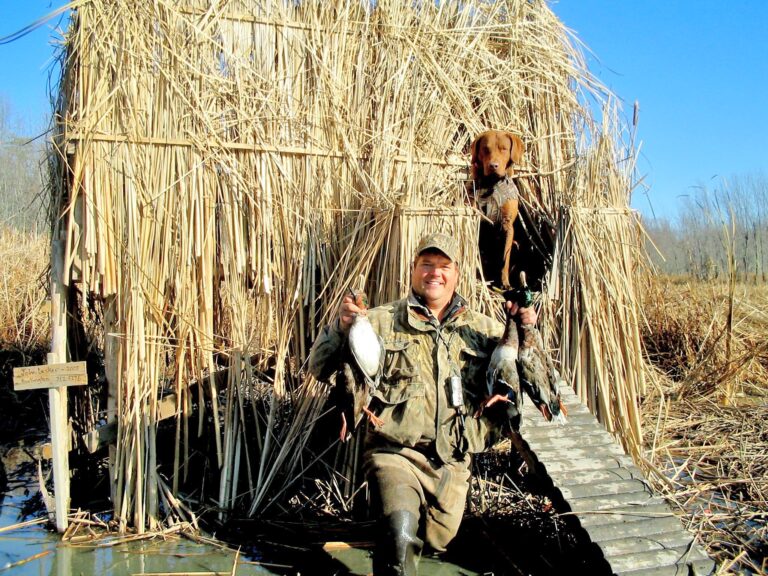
(600, 319)
(225, 170)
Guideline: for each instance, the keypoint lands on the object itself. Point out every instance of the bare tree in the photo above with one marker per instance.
(21, 181)
(715, 225)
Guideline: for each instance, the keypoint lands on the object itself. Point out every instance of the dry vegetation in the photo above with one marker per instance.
(250, 159)
(24, 313)
(706, 422)
(713, 458)
(24, 324)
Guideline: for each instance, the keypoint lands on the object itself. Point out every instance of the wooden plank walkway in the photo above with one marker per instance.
(635, 530)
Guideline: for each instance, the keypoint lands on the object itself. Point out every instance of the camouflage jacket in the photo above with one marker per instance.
(421, 354)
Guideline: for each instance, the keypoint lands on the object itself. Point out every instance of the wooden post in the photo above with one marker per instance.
(57, 399)
(57, 405)
(56, 377)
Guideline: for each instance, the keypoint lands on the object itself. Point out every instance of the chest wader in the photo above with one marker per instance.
(398, 545)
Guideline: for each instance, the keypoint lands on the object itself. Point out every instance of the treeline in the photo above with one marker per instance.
(22, 165)
(716, 229)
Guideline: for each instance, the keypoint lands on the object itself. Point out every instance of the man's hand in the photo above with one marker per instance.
(488, 402)
(527, 315)
(348, 311)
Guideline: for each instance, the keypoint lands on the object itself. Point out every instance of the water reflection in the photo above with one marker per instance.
(28, 546)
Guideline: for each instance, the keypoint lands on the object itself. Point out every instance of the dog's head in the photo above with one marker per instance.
(493, 154)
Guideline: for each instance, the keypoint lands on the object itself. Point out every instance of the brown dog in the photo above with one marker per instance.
(493, 155)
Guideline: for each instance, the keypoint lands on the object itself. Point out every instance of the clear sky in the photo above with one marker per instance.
(698, 68)
(25, 63)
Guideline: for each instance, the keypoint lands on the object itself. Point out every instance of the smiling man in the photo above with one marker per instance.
(417, 459)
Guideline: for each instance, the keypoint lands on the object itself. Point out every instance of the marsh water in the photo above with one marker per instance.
(29, 546)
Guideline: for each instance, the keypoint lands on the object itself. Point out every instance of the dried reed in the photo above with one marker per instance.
(712, 459)
(24, 313)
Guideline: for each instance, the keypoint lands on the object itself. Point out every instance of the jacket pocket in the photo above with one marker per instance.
(398, 362)
(401, 396)
(398, 382)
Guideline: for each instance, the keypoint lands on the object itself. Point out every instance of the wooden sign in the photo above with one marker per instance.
(50, 376)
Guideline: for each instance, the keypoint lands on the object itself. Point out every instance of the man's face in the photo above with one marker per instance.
(434, 278)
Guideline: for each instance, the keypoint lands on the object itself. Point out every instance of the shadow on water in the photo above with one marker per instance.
(345, 548)
(518, 532)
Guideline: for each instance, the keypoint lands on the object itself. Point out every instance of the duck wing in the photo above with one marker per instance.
(502, 375)
(538, 376)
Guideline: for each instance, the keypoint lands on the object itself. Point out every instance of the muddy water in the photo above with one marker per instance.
(36, 550)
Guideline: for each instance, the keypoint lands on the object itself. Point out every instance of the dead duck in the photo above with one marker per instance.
(502, 380)
(360, 370)
(538, 376)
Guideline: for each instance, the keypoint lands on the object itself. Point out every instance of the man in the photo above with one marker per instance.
(431, 401)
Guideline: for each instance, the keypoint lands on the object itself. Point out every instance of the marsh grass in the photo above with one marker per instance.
(706, 419)
(24, 311)
(24, 327)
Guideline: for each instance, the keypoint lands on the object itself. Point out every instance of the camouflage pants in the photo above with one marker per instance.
(403, 479)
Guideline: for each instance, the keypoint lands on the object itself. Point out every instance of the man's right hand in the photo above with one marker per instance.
(348, 311)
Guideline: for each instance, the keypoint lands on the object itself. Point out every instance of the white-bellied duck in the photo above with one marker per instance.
(360, 370)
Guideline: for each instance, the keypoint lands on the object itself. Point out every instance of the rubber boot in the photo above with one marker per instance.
(397, 546)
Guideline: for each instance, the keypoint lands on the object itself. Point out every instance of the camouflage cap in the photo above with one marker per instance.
(440, 242)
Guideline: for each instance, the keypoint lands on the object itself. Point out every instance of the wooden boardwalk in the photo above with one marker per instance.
(635, 530)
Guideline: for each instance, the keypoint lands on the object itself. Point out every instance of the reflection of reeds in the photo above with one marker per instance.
(226, 171)
(714, 458)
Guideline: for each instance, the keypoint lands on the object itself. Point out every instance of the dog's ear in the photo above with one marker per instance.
(475, 169)
(518, 148)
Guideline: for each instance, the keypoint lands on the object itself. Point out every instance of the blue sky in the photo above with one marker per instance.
(698, 68)
(26, 61)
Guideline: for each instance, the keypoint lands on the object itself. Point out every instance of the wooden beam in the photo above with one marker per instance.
(57, 397)
(107, 433)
